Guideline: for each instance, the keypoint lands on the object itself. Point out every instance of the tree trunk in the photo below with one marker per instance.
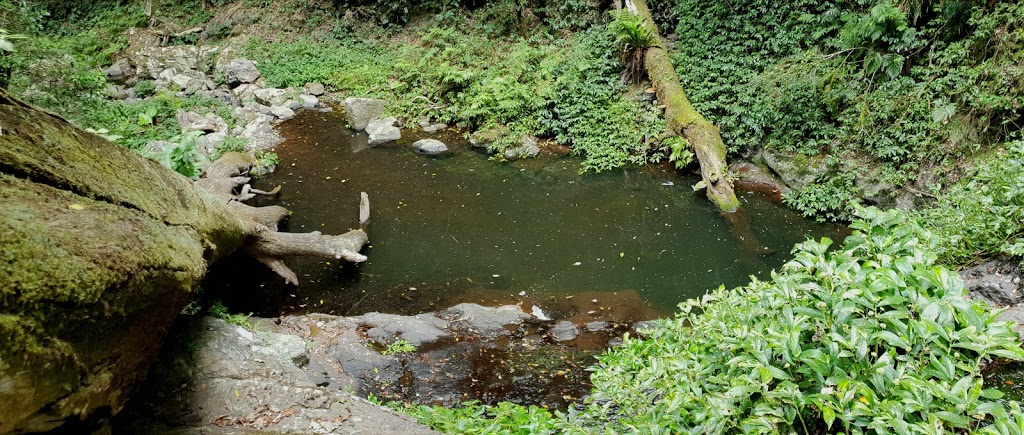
(684, 120)
(99, 250)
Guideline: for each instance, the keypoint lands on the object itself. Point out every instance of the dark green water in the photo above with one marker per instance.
(467, 229)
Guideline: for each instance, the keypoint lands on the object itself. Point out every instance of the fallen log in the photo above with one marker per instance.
(100, 249)
(684, 120)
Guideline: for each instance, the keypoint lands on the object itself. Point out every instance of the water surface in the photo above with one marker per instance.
(464, 228)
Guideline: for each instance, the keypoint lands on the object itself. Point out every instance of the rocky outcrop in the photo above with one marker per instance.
(796, 170)
(998, 283)
(382, 131)
(241, 71)
(360, 111)
(246, 381)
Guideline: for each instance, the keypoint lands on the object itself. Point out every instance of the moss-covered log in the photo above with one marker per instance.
(686, 121)
(99, 250)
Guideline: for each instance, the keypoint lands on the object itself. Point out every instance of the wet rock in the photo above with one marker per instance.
(282, 112)
(614, 341)
(485, 321)
(796, 170)
(750, 176)
(527, 149)
(241, 71)
(563, 331)
(597, 326)
(429, 147)
(434, 128)
(482, 138)
(383, 131)
(645, 325)
(308, 101)
(996, 282)
(314, 89)
(418, 330)
(360, 111)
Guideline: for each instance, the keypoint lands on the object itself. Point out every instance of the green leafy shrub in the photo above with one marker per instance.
(399, 346)
(983, 216)
(871, 337)
(830, 199)
(145, 89)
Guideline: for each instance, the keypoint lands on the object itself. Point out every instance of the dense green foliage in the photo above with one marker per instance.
(983, 216)
(905, 84)
(873, 337)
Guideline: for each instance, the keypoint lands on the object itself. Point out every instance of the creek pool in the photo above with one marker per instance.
(464, 228)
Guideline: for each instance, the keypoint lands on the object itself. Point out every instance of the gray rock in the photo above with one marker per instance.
(117, 72)
(308, 101)
(564, 331)
(239, 385)
(527, 149)
(245, 93)
(434, 128)
(797, 171)
(270, 96)
(996, 282)
(191, 121)
(117, 92)
(429, 147)
(754, 177)
(314, 89)
(241, 71)
(486, 321)
(419, 330)
(261, 134)
(360, 111)
(597, 326)
(317, 373)
(181, 80)
(289, 347)
(383, 131)
(282, 112)
(482, 138)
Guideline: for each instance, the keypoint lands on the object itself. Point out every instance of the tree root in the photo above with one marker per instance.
(224, 179)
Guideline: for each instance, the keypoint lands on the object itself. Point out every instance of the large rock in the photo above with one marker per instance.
(270, 96)
(527, 149)
(383, 131)
(429, 147)
(418, 330)
(796, 170)
(996, 282)
(254, 382)
(485, 321)
(261, 134)
(191, 121)
(314, 89)
(240, 71)
(360, 111)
